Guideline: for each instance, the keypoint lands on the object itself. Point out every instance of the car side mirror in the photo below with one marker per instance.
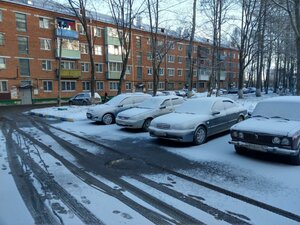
(120, 106)
(163, 107)
(215, 113)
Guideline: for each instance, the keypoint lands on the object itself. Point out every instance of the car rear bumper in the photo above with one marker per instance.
(265, 148)
(176, 135)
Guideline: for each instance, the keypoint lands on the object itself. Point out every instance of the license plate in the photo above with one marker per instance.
(161, 134)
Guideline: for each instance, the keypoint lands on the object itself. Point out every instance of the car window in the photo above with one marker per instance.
(229, 104)
(176, 101)
(218, 106)
(139, 99)
(166, 103)
(127, 101)
(80, 96)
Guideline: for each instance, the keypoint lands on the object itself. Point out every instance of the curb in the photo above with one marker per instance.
(52, 117)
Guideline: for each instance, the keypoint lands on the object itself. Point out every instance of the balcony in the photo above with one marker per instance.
(70, 74)
(68, 34)
(113, 75)
(204, 77)
(68, 54)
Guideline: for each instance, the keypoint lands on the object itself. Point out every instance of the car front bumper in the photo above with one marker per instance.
(134, 124)
(265, 148)
(177, 135)
(91, 116)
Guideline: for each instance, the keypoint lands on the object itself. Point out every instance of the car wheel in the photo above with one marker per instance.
(239, 150)
(240, 119)
(146, 124)
(108, 119)
(200, 135)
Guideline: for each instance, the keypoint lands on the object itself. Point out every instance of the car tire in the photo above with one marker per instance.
(146, 124)
(200, 135)
(108, 119)
(239, 150)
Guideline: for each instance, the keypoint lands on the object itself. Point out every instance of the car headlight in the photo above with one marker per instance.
(234, 134)
(276, 140)
(241, 135)
(285, 141)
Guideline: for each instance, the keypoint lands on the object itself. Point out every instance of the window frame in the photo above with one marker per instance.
(46, 65)
(4, 63)
(2, 39)
(46, 83)
(45, 44)
(68, 86)
(27, 72)
(23, 43)
(19, 21)
(2, 82)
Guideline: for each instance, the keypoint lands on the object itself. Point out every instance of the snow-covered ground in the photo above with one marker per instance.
(274, 183)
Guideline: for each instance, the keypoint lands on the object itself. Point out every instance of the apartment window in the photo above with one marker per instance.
(149, 56)
(86, 86)
(171, 58)
(80, 29)
(201, 85)
(128, 69)
(21, 22)
(150, 85)
(68, 65)
(114, 49)
(23, 45)
(85, 67)
(171, 72)
(171, 45)
(150, 70)
(68, 85)
(2, 40)
(113, 86)
(46, 65)
(179, 46)
(99, 67)
(179, 72)
(99, 85)
(139, 58)
(1, 16)
(115, 67)
(3, 86)
(24, 67)
(138, 42)
(84, 48)
(97, 31)
(45, 44)
(48, 85)
(180, 59)
(139, 71)
(161, 72)
(195, 48)
(2, 63)
(98, 50)
(128, 86)
(161, 85)
(44, 23)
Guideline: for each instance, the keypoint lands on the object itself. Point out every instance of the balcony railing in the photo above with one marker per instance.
(113, 75)
(69, 34)
(70, 74)
(68, 54)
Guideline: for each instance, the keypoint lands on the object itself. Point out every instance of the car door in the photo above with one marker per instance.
(218, 122)
(165, 107)
(232, 113)
(78, 99)
(126, 103)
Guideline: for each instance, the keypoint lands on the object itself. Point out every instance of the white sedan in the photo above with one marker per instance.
(141, 116)
(198, 118)
(107, 112)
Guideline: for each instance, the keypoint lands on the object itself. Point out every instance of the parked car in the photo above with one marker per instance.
(108, 111)
(180, 93)
(233, 91)
(198, 118)
(169, 92)
(274, 127)
(84, 98)
(141, 116)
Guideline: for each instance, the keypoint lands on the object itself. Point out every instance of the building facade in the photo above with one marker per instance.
(34, 40)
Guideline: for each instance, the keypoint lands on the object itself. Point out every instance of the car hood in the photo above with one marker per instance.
(186, 120)
(268, 126)
(136, 112)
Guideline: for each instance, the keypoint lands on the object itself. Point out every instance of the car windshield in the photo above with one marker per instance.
(282, 110)
(151, 103)
(115, 101)
(195, 107)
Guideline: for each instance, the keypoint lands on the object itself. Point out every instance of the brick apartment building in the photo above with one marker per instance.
(29, 56)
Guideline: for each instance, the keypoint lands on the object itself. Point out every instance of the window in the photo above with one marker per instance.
(98, 50)
(128, 86)
(24, 67)
(161, 72)
(85, 67)
(84, 48)
(68, 85)
(113, 86)
(21, 22)
(171, 72)
(3, 86)
(180, 59)
(1, 16)
(97, 31)
(150, 85)
(44, 23)
(115, 67)
(45, 44)
(179, 46)
(80, 29)
(138, 42)
(46, 65)
(48, 86)
(2, 40)
(149, 56)
(139, 71)
(99, 85)
(179, 72)
(99, 67)
(2, 63)
(139, 58)
(114, 50)
(201, 85)
(23, 45)
(171, 58)
(161, 85)
(128, 69)
(68, 65)
(86, 86)
(150, 71)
